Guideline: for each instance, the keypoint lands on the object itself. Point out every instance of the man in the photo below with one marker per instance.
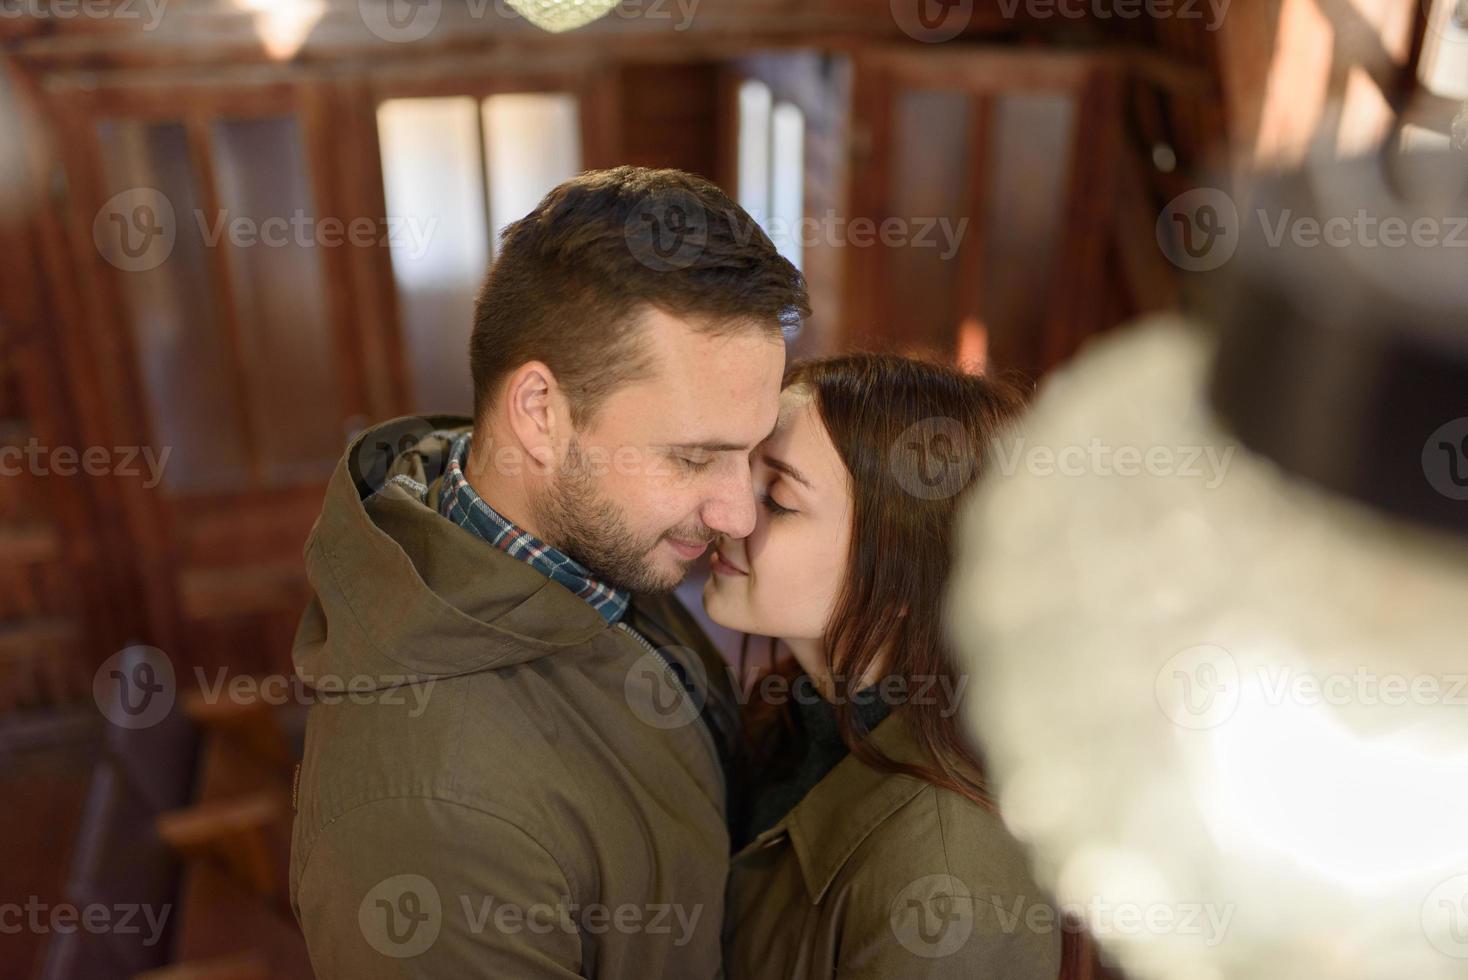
(516, 765)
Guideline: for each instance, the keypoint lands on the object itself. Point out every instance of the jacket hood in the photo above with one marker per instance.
(401, 593)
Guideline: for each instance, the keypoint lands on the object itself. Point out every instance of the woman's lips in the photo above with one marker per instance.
(687, 550)
(719, 565)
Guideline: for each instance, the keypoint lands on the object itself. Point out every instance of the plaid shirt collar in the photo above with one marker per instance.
(459, 503)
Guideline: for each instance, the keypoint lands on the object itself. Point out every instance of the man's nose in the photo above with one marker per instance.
(731, 511)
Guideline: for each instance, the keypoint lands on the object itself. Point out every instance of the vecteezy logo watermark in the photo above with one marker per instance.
(1445, 459)
(1101, 918)
(1445, 917)
(390, 690)
(122, 919)
(39, 460)
(932, 21)
(135, 688)
(401, 916)
(404, 915)
(833, 230)
(666, 688)
(1104, 10)
(136, 229)
(400, 21)
(375, 453)
(943, 691)
(1367, 688)
(1198, 231)
(668, 230)
(409, 233)
(543, 918)
(87, 9)
(1098, 458)
(1201, 687)
(933, 916)
(1198, 688)
(933, 458)
(1364, 230)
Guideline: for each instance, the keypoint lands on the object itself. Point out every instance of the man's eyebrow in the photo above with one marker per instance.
(790, 471)
(712, 447)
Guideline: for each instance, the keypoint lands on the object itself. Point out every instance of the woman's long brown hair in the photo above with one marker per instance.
(913, 435)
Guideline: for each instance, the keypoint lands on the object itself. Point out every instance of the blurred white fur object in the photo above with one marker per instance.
(1230, 715)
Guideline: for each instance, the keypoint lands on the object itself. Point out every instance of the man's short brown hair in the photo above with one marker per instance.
(574, 276)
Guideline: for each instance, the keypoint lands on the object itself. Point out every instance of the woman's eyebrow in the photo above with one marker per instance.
(790, 471)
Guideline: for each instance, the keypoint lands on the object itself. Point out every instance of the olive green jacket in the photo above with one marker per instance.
(496, 783)
(875, 876)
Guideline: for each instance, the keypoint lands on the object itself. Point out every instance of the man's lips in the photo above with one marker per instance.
(722, 566)
(689, 550)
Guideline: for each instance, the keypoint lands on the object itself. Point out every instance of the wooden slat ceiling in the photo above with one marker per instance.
(103, 34)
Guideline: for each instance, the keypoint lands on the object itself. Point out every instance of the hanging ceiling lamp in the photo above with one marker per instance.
(1186, 671)
(562, 15)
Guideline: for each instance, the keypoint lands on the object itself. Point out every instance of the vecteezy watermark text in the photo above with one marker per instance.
(43, 10)
(39, 460)
(120, 919)
(402, 916)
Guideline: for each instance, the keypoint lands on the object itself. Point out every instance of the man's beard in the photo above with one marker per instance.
(574, 519)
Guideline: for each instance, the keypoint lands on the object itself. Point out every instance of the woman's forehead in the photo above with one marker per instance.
(800, 439)
(795, 405)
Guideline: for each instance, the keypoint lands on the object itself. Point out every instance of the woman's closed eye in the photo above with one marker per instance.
(771, 505)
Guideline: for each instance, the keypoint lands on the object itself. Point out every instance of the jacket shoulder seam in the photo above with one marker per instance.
(566, 875)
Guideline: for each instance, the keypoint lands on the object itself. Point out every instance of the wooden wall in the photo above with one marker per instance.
(215, 578)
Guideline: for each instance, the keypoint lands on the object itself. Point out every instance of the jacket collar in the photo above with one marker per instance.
(460, 503)
(393, 577)
(843, 809)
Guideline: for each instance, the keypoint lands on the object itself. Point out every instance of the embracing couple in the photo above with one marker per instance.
(542, 813)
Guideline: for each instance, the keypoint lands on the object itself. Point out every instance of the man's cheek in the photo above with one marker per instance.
(632, 463)
(598, 462)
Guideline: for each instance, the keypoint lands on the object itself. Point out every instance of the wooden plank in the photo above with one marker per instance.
(973, 250)
(233, 833)
(245, 372)
(99, 360)
(1089, 222)
(245, 590)
(318, 124)
(203, 33)
(864, 302)
(29, 544)
(252, 725)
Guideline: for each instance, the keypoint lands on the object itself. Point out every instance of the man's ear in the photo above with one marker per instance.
(537, 413)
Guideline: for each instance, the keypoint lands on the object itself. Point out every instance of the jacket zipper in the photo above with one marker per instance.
(672, 676)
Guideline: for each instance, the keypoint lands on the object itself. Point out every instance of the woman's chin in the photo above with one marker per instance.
(717, 605)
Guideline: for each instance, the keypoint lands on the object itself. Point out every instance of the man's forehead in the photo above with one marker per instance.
(719, 411)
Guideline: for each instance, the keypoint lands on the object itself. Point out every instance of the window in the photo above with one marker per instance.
(1443, 68)
(226, 306)
(772, 166)
(455, 172)
(1443, 71)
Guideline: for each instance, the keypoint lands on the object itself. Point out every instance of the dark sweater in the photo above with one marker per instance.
(806, 755)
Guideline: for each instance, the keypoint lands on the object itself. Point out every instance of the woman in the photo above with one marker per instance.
(871, 847)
